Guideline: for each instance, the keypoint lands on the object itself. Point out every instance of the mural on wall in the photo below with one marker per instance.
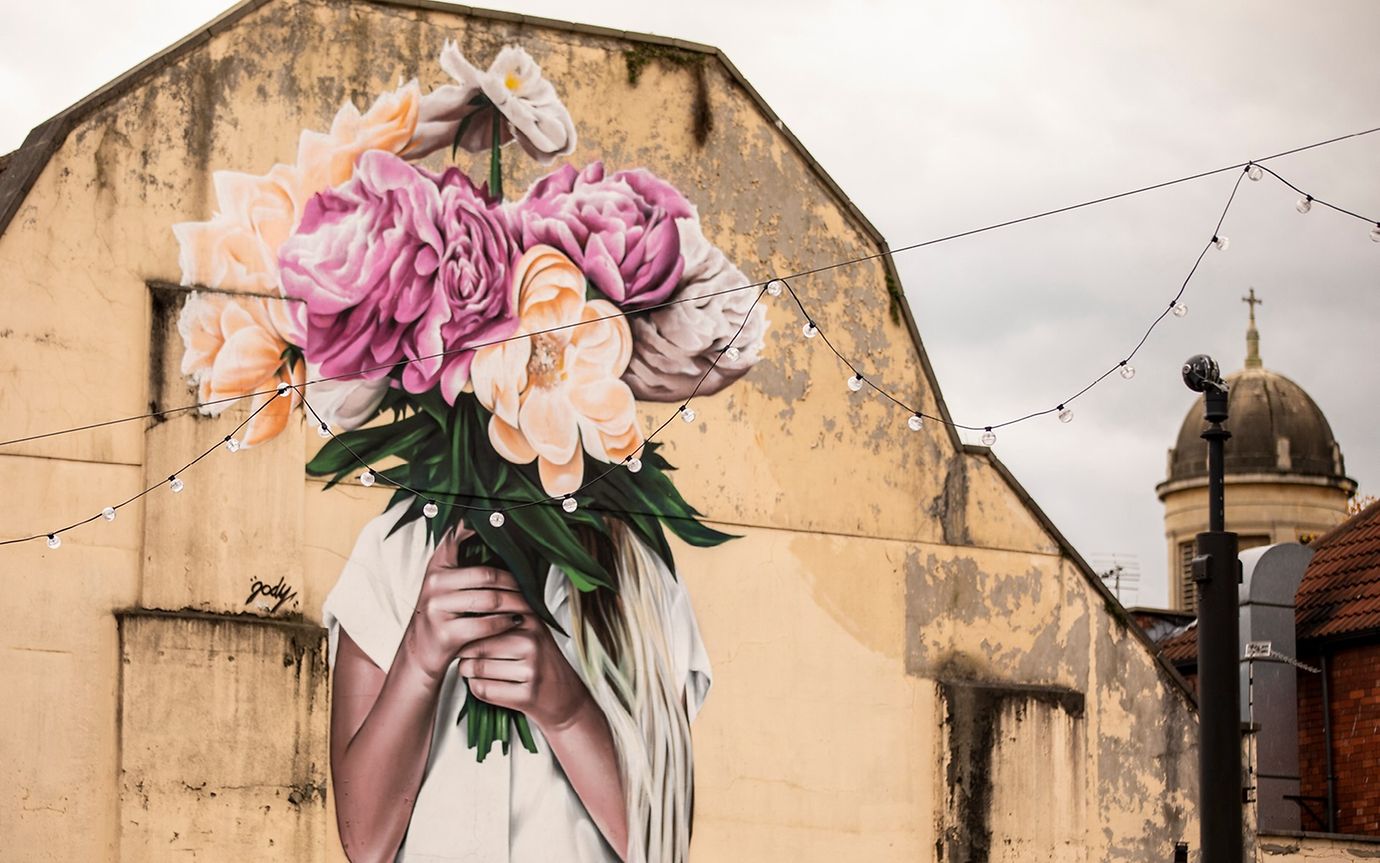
(505, 687)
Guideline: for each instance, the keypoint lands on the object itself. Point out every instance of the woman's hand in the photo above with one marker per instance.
(459, 605)
(524, 669)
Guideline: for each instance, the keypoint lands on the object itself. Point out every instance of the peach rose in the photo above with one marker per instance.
(234, 346)
(238, 246)
(558, 395)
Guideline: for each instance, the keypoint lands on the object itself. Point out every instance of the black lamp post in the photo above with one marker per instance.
(1217, 574)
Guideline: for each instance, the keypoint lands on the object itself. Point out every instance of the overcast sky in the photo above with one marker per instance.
(938, 117)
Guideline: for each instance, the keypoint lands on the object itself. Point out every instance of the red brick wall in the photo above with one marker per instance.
(1354, 683)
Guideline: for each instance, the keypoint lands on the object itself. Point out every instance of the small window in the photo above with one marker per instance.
(1188, 591)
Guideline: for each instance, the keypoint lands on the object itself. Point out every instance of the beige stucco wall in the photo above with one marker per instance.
(892, 595)
(1272, 507)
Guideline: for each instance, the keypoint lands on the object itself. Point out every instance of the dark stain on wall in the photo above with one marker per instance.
(950, 507)
(972, 716)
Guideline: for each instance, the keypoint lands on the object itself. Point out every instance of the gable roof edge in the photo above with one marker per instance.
(1067, 550)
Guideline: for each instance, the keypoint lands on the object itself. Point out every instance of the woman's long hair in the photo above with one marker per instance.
(623, 640)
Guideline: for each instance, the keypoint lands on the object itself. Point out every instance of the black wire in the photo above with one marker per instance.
(160, 484)
(1319, 200)
(825, 268)
(812, 323)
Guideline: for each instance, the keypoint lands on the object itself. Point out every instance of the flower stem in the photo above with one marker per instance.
(495, 159)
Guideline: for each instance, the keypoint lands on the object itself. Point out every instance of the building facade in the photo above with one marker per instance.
(909, 660)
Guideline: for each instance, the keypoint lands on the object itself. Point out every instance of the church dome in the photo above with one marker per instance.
(1276, 428)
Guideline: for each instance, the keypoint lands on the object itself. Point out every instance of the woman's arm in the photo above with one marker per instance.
(381, 723)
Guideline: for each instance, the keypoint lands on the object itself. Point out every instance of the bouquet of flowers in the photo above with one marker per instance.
(496, 348)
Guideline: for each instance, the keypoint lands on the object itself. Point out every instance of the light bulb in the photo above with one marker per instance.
(1254, 172)
(430, 509)
(634, 463)
(1304, 204)
(367, 478)
(916, 422)
(989, 437)
(283, 390)
(496, 519)
(231, 445)
(54, 541)
(1128, 371)
(323, 430)
(809, 329)
(1375, 233)
(1065, 414)
(1221, 242)
(1180, 310)
(855, 382)
(569, 504)
(732, 353)
(108, 513)
(687, 413)
(774, 287)
(175, 484)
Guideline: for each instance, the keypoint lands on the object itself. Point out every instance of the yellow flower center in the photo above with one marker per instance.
(511, 81)
(546, 365)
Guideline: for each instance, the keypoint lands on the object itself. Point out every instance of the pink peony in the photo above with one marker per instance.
(620, 230)
(398, 264)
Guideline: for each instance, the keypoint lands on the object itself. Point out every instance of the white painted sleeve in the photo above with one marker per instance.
(376, 593)
(691, 658)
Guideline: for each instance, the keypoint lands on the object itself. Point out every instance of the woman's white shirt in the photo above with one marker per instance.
(518, 808)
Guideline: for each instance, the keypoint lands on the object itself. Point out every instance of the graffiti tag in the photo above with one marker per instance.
(281, 591)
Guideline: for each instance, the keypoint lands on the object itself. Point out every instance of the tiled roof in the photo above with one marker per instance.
(1339, 594)
(1182, 649)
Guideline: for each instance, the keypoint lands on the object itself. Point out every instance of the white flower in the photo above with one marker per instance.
(512, 92)
(345, 404)
(675, 345)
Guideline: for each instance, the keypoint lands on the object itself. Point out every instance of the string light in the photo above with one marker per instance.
(1065, 414)
(855, 382)
(569, 504)
(366, 479)
(1221, 242)
(54, 541)
(634, 463)
(496, 519)
(1304, 204)
(323, 430)
(775, 288)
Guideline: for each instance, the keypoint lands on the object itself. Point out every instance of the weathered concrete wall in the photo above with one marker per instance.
(1317, 848)
(880, 571)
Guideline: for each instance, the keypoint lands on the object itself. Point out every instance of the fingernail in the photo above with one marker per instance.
(517, 619)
